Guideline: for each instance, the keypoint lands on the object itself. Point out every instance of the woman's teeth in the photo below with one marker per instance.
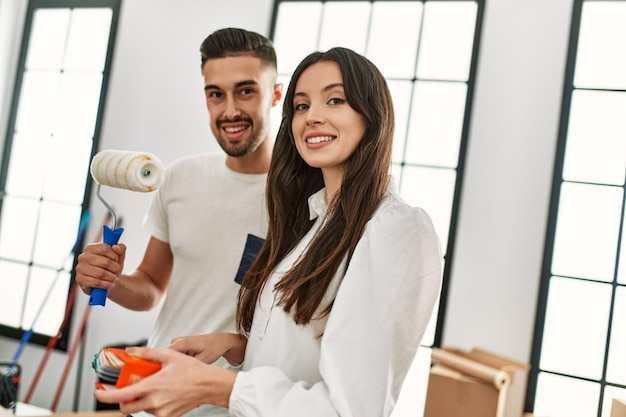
(319, 139)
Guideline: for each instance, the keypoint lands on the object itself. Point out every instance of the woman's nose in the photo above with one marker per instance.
(314, 115)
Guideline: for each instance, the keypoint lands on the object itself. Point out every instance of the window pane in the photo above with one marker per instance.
(56, 233)
(559, 396)
(19, 223)
(88, 39)
(40, 91)
(401, 96)
(67, 166)
(298, 18)
(596, 138)
(616, 367)
(47, 40)
(45, 302)
(383, 38)
(333, 32)
(436, 123)
(585, 242)
(600, 60)
(25, 176)
(77, 108)
(13, 285)
(576, 327)
(432, 190)
(447, 38)
(587, 231)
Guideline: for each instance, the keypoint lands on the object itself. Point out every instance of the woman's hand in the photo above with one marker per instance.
(182, 384)
(210, 347)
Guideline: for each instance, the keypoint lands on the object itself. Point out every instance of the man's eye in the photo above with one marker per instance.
(247, 91)
(214, 94)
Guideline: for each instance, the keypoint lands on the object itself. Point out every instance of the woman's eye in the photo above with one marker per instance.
(336, 101)
(300, 107)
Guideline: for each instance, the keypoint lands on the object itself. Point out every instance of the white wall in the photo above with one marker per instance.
(507, 183)
(155, 104)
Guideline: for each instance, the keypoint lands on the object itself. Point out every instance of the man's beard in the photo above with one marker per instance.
(242, 148)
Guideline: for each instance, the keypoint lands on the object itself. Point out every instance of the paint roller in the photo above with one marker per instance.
(135, 171)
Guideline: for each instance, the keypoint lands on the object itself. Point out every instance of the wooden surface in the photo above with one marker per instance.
(27, 410)
(107, 413)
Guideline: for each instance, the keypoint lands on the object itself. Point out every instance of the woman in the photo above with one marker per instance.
(333, 309)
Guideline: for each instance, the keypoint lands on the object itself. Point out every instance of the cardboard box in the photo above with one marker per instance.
(618, 408)
(475, 383)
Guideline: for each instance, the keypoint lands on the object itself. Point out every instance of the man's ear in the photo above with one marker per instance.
(278, 93)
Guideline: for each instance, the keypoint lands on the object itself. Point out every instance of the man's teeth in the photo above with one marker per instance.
(234, 129)
(319, 139)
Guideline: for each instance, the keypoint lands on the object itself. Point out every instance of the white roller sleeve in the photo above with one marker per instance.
(135, 171)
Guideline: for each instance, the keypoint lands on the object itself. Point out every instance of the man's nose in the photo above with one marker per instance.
(232, 108)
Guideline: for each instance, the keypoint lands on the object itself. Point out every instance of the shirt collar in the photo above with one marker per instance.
(317, 204)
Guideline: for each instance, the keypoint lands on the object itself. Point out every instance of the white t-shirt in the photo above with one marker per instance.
(382, 307)
(208, 214)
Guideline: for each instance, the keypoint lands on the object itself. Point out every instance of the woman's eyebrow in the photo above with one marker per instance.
(327, 88)
(333, 85)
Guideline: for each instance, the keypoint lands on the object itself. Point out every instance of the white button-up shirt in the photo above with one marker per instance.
(352, 362)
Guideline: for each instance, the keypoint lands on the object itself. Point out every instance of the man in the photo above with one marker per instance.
(208, 218)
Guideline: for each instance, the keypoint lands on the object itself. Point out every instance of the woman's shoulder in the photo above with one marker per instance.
(395, 214)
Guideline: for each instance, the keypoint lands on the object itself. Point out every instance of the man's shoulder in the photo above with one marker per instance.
(195, 162)
(199, 158)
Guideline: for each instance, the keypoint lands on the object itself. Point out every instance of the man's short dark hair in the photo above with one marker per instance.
(230, 42)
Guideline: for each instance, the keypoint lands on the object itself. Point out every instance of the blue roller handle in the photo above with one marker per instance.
(98, 296)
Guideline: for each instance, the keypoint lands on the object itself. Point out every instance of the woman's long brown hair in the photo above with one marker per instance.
(291, 181)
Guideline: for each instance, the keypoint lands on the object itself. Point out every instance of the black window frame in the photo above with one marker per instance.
(546, 267)
(460, 168)
(34, 5)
